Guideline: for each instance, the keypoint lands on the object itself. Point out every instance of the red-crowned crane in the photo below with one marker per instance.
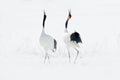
(47, 42)
(72, 40)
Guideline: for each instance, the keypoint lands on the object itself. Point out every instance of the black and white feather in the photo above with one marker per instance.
(72, 40)
(75, 37)
(46, 41)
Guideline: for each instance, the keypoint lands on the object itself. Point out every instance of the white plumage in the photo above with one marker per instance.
(70, 43)
(46, 41)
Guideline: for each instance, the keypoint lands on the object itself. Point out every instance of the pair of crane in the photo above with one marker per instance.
(71, 40)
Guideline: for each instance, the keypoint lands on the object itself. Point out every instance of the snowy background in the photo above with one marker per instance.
(21, 56)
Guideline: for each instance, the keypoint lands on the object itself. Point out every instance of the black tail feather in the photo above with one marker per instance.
(55, 44)
(76, 37)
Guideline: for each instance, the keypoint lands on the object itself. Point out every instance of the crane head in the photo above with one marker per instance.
(44, 14)
(69, 16)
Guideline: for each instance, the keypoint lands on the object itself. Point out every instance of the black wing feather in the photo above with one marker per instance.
(55, 44)
(76, 37)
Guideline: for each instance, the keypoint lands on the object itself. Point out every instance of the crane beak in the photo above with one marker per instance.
(69, 16)
(45, 14)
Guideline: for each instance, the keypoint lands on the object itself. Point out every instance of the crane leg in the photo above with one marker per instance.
(76, 55)
(46, 56)
(69, 55)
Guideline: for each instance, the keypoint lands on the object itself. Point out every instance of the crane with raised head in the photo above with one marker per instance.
(47, 42)
(71, 40)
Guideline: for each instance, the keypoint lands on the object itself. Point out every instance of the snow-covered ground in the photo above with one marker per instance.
(21, 56)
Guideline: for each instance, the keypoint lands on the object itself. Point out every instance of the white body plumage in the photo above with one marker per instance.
(46, 41)
(68, 41)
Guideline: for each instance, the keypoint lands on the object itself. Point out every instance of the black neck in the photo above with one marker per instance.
(66, 24)
(44, 18)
